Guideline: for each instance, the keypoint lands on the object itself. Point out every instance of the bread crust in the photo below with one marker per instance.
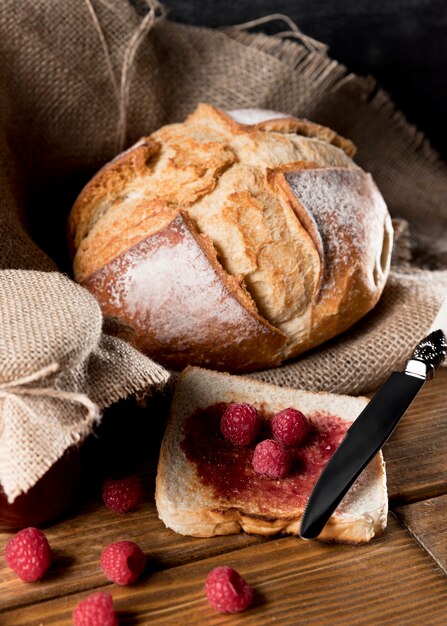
(187, 506)
(277, 251)
(355, 268)
(280, 124)
(110, 180)
(212, 308)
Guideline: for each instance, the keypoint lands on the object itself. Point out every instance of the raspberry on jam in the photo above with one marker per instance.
(290, 427)
(271, 459)
(240, 424)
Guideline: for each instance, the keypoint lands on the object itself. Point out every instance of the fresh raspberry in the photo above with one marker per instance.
(271, 459)
(227, 591)
(95, 610)
(240, 424)
(289, 427)
(122, 495)
(123, 562)
(29, 554)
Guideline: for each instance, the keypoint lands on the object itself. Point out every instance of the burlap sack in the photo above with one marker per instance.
(58, 370)
(82, 80)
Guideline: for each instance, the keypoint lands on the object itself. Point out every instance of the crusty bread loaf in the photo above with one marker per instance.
(233, 240)
(192, 504)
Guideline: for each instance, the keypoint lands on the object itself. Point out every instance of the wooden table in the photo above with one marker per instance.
(399, 578)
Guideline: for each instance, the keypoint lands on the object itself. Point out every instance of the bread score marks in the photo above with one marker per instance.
(285, 274)
(139, 221)
(260, 239)
(234, 183)
(202, 493)
(347, 217)
(170, 168)
(188, 168)
(170, 286)
(272, 121)
(200, 166)
(257, 235)
(106, 186)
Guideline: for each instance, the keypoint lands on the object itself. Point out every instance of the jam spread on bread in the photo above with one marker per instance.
(228, 469)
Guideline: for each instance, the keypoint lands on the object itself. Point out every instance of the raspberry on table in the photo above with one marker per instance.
(28, 554)
(227, 591)
(290, 427)
(123, 562)
(240, 423)
(96, 610)
(122, 495)
(271, 459)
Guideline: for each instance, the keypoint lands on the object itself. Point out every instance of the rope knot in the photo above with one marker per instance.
(17, 390)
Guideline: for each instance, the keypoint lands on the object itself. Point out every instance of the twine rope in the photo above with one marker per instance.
(17, 389)
(156, 12)
(310, 43)
(105, 48)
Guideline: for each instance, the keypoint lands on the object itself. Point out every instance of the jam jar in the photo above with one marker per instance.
(52, 495)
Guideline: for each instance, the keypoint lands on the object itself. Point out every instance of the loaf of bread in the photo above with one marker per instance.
(233, 240)
(205, 487)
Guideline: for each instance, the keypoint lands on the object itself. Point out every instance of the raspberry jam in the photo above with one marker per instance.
(229, 472)
(50, 496)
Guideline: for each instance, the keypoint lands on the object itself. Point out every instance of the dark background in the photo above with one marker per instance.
(403, 43)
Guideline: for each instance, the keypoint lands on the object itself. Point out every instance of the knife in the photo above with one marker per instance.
(373, 427)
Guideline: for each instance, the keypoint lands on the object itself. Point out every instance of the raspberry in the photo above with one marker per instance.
(240, 424)
(122, 495)
(95, 610)
(271, 459)
(29, 554)
(227, 591)
(123, 562)
(290, 427)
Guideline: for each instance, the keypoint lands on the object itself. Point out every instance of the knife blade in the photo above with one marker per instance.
(373, 427)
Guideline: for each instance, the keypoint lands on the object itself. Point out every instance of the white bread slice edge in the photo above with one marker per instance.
(188, 507)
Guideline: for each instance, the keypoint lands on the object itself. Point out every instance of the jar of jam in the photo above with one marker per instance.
(51, 496)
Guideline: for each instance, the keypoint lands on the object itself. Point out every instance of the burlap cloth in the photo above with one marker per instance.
(58, 370)
(82, 80)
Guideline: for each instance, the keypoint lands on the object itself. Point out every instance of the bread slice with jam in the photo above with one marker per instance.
(206, 486)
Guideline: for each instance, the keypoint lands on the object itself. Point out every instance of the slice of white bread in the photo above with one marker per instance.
(190, 504)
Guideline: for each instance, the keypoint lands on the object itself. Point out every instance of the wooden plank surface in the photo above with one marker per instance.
(416, 454)
(296, 582)
(77, 544)
(293, 579)
(427, 522)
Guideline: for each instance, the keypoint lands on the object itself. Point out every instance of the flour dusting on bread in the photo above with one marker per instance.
(255, 116)
(293, 229)
(339, 201)
(147, 280)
